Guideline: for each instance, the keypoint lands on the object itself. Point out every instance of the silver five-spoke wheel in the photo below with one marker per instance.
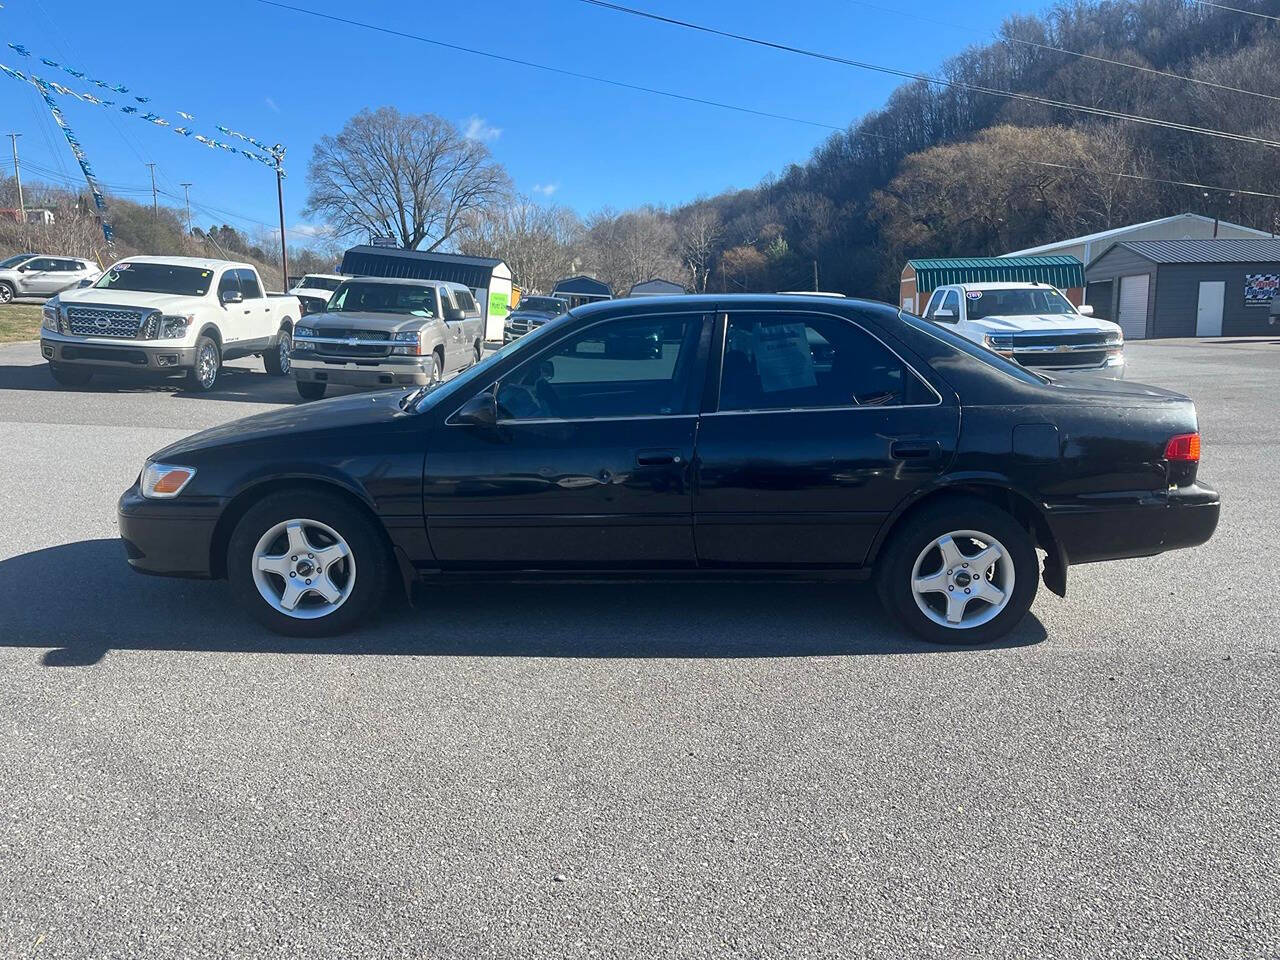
(963, 579)
(303, 568)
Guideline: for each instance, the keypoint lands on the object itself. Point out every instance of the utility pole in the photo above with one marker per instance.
(186, 189)
(278, 152)
(155, 199)
(816, 288)
(17, 175)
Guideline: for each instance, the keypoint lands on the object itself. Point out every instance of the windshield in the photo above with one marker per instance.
(424, 398)
(156, 278)
(364, 296)
(542, 304)
(990, 357)
(12, 262)
(320, 283)
(1016, 303)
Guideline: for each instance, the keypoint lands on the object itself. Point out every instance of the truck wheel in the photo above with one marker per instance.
(70, 376)
(435, 369)
(311, 390)
(6, 291)
(961, 571)
(277, 361)
(307, 564)
(203, 377)
(479, 353)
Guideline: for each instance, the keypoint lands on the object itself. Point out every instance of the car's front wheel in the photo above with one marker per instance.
(960, 571)
(6, 291)
(308, 564)
(203, 376)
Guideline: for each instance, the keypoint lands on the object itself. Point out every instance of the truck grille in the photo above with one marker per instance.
(368, 343)
(104, 321)
(1062, 361)
(1098, 339)
(1061, 351)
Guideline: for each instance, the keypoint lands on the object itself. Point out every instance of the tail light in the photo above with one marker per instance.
(1184, 448)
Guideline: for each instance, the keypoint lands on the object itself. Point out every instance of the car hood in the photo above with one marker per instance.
(1043, 323)
(322, 416)
(534, 315)
(355, 319)
(88, 296)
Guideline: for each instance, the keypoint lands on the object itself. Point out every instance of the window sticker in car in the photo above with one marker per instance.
(784, 360)
(974, 294)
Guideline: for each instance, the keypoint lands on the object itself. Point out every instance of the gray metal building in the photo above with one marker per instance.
(1186, 288)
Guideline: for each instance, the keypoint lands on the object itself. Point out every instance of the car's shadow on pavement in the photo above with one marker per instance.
(236, 384)
(81, 601)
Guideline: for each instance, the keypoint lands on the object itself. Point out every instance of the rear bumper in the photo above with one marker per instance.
(1186, 517)
(167, 538)
(382, 372)
(118, 356)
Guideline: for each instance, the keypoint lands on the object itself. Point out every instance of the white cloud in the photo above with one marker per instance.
(477, 128)
(545, 189)
(272, 104)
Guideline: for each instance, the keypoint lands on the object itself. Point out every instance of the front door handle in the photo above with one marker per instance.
(913, 449)
(657, 458)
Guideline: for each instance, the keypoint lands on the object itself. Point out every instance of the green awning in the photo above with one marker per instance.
(1062, 272)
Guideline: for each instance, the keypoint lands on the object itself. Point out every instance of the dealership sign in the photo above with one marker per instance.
(1260, 289)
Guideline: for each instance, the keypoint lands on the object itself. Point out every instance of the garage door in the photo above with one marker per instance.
(1133, 306)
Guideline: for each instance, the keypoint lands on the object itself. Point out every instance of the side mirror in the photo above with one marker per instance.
(23, 269)
(945, 313)
(1085, 310)
(453, 314)
(86, 282)
(480, 411)
(232, 296)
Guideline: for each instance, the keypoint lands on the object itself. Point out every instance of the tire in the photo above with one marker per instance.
(346, 558)
(6, 292)
(276, 360)
(311, 389)
(478, 353)
(437, 368)
(70, 376)
(203, 377)
(916, 555)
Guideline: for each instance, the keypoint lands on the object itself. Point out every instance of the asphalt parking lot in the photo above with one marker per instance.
(629, 770)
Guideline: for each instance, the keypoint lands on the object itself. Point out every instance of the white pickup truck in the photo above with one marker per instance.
(167, 315)
(1032, 323)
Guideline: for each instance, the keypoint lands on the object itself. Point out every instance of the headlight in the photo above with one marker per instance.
(303, 332)
(161, 481)
(411, 343)
(49, 317)
(999, 342)
(174, 327)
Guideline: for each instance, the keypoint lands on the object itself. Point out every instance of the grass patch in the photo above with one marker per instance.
(19, 321)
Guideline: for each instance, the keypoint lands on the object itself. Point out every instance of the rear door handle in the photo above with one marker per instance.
(913, 449)
(657, 458)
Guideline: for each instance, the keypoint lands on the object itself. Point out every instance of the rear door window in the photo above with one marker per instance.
(789, 361)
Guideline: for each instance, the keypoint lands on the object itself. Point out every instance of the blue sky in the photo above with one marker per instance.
(285, 77)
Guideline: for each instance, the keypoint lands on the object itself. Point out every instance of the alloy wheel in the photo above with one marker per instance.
(303, 568)
(207, 365)
(963, 579)
(286, 343)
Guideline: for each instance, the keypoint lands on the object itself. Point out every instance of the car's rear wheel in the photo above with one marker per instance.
(70, 376)
(961, 571)
(308, 564)
(6, 291)
(277, 360)
(311, 389)
(203, 376)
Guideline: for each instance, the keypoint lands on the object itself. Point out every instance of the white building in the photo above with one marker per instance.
(1184, 226)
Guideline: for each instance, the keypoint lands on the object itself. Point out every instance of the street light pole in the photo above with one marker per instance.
(186, 189)
(155, 198)
(17, 175)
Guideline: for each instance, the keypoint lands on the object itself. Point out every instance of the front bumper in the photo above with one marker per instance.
(375, 373)
(100, 352)
(168, 538)
(1141, 527)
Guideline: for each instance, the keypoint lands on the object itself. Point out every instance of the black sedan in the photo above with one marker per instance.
(757, 437)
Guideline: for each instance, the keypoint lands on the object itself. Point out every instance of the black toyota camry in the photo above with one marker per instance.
(759, 437)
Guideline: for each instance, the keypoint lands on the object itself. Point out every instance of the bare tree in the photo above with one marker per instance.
(413, 177)
(628, 248)
(698, 235)
(538, 243)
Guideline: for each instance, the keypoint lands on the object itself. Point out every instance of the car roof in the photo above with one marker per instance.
(200, 263)
(705, 302)
(411, 281)
(1007, 285)
(326, 276)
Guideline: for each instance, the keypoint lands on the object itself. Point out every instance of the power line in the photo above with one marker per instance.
(1172, 183)
(1247, 13)
(1097, 58)
(566, 73)
(957, 84)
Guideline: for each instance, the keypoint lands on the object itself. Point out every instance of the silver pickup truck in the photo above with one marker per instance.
(382, 332)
